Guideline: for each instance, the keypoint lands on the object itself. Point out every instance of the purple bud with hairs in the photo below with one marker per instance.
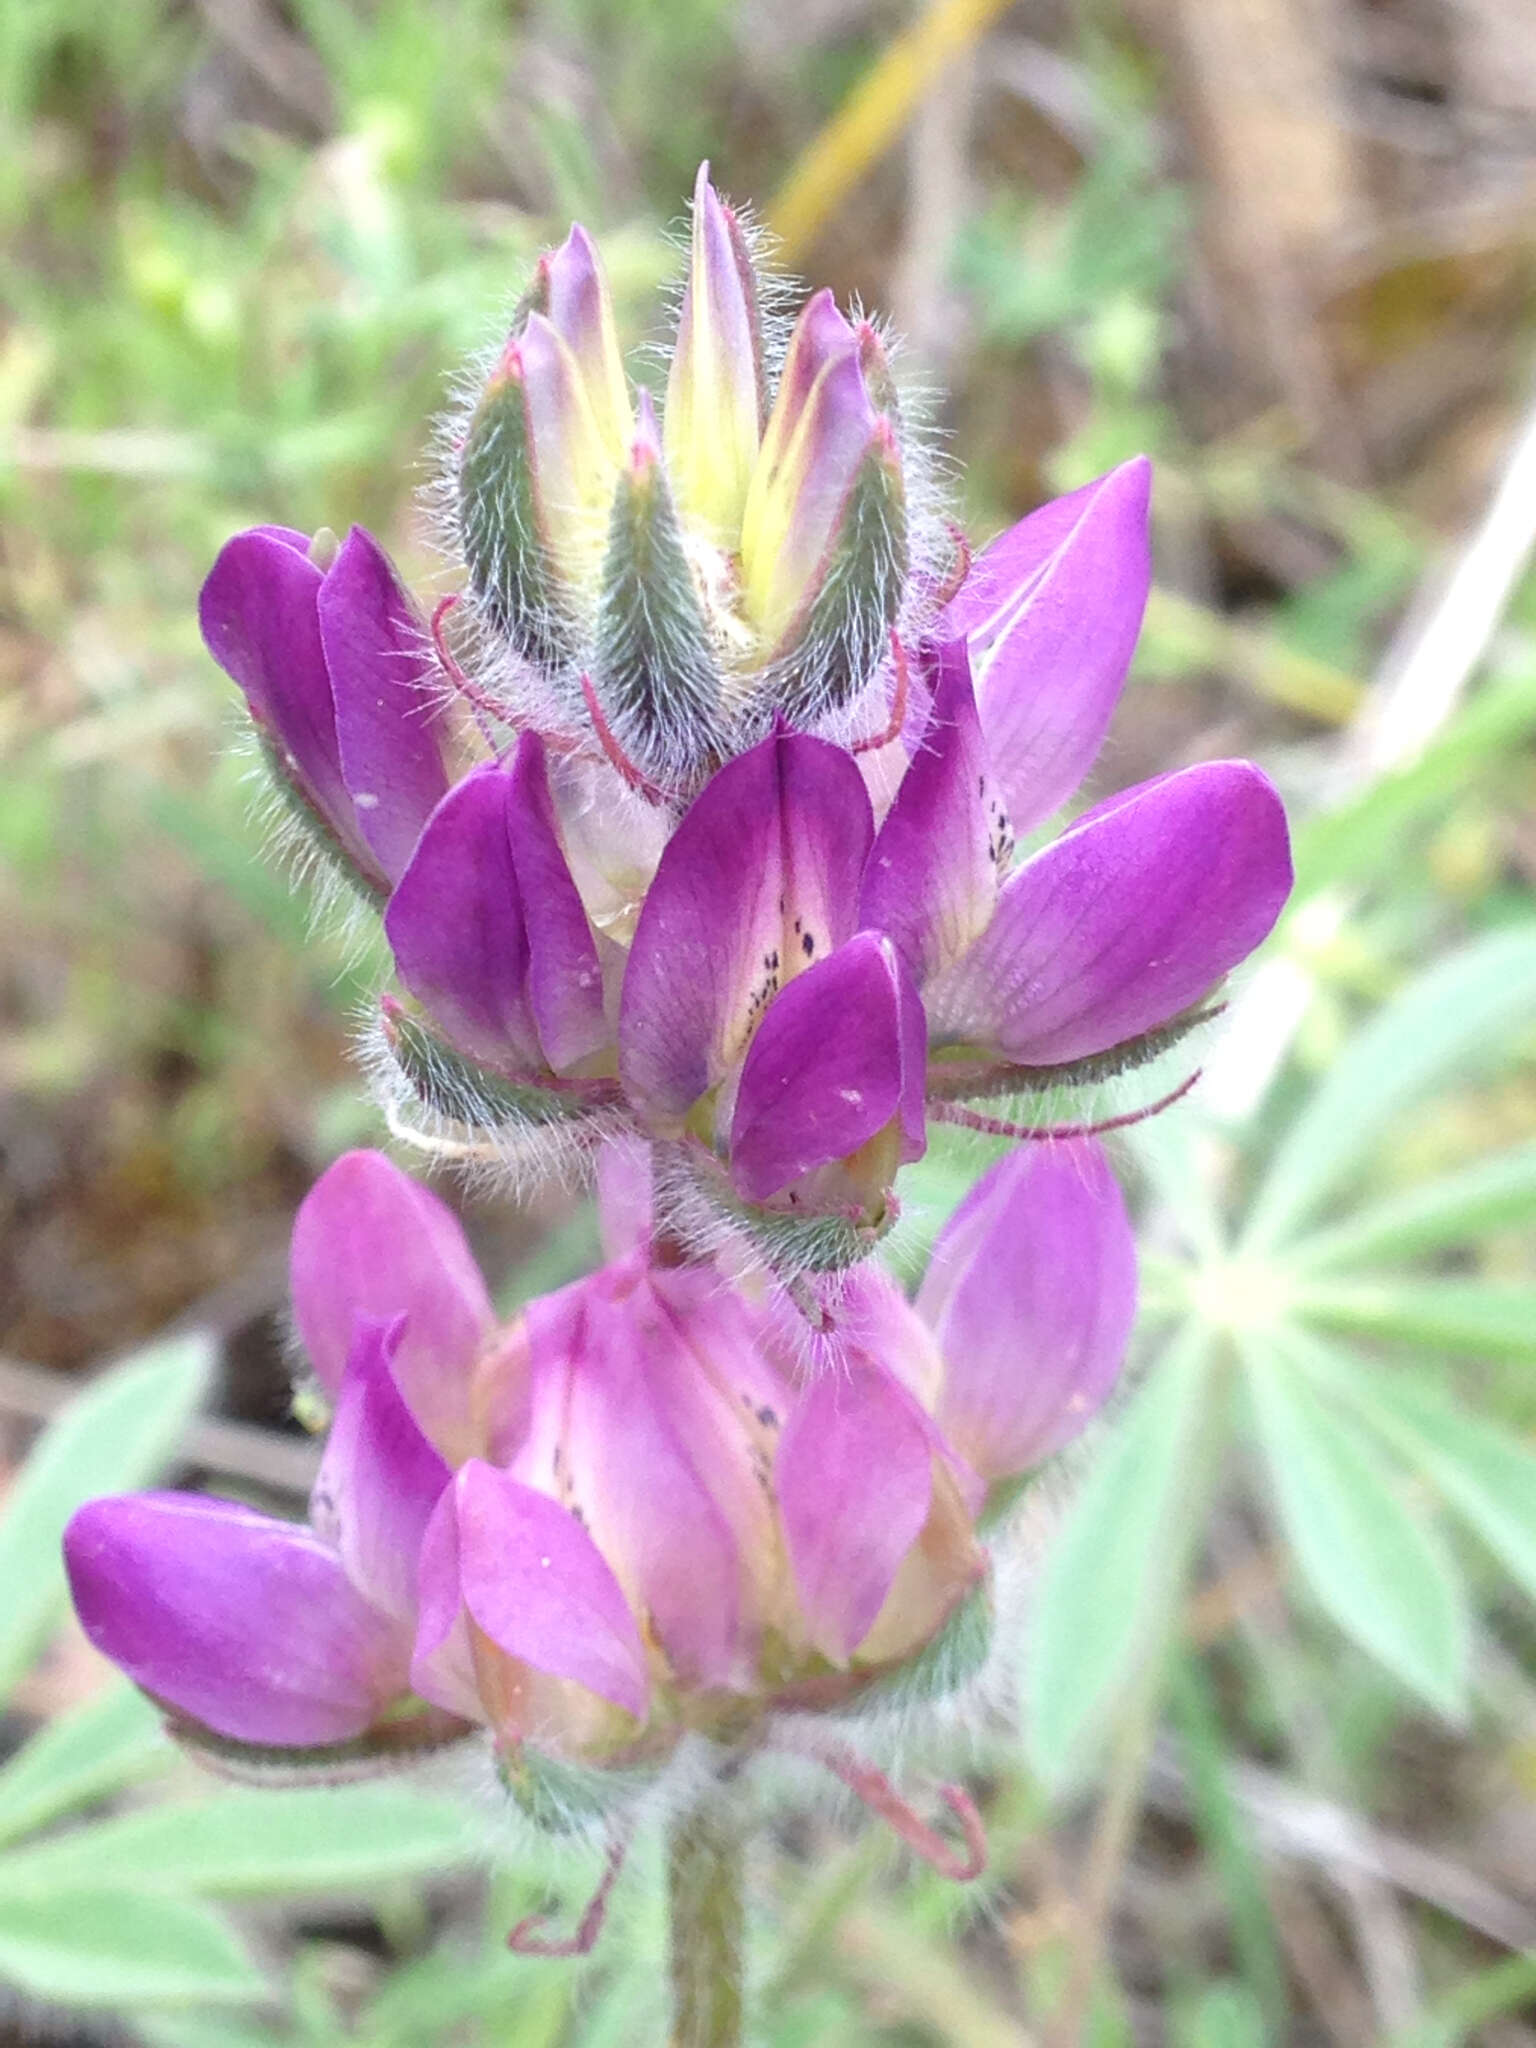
(340, 683)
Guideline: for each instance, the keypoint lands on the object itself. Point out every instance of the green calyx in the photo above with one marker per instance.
(405, 1736)
(945, 1665)
(452, 1086)
(560, 1798)
(511, 569)
(846, 627)
(313, 832)
(791, 1242)
(654, 669)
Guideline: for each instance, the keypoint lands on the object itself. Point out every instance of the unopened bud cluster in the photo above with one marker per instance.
(746, 558)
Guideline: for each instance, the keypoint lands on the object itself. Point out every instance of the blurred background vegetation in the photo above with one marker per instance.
(1278, 1780)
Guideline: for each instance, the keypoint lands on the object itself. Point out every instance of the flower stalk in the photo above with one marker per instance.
(706, 1902)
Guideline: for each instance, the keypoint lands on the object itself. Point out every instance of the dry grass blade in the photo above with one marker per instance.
(872, 116)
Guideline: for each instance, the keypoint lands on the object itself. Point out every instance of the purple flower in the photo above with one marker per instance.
(1030, 1294)
(1107, 935)
(650, 1502)
(270, 1633)
(489, 931)
(340, 684)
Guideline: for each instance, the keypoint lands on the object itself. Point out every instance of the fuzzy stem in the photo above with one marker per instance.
(708, 1923)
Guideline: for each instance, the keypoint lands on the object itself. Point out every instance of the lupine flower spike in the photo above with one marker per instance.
(694, 823)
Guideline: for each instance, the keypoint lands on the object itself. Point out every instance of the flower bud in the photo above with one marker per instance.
(715, 389)
(654, 669)
(824, 536)
(336, 671)
(443, 1081)
(1031, 1293)
(580, 310)
(541, 455)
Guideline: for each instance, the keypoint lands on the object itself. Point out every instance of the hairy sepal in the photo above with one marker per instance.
(842, 634)
(971, 1076)
(461, 1092)
(945, 1665)
(398, 1744)
(512, 570)
(561, 1798)
(654, 669)
(787, 1241)
(313, 839)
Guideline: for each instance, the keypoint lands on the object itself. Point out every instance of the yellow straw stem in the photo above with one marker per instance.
(872, 117)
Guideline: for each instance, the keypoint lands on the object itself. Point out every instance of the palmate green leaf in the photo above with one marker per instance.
(1450, 1019)
(80, 1758)
(1486, 1475)
(1369, 1561)
(1491, 1194)
(98, 1945)
(113, 1436)
(1114, 1567)
(1473, 1318)
(251, 1844)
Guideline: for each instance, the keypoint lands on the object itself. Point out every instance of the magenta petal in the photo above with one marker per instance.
(625, 1196)
(932, 877)
(839, 1054)
(761, 877)
(457, 926)
(1129, 918)
(371, 1243)
(640, 1491)
(383, 681)
(246, 1624)
(726, 1398)
(854, 1478)
(442, 1657)
(487, 927)
(1052, 611)
(379, 1479)
(565, 982)
(531, 1579)
(1031, 1292)
(260, 619)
